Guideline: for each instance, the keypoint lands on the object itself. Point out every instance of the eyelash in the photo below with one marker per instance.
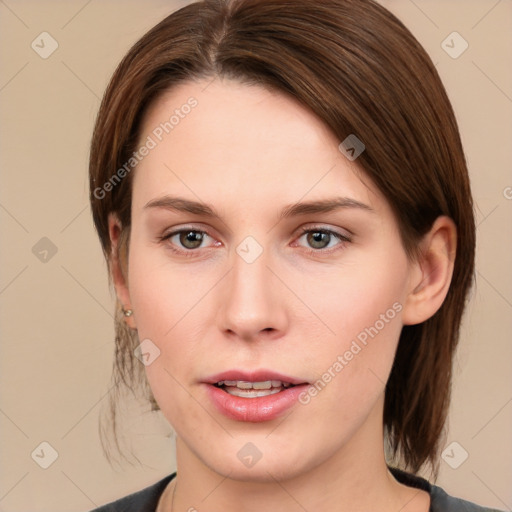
(343, 239)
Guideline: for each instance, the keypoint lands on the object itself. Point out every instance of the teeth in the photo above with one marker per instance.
(264, 385)
(252, 393)
(241, 384)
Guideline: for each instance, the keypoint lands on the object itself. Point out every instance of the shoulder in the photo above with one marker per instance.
(440, 501)
(145, 500)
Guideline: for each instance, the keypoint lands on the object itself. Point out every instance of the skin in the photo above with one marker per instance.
(249, 152)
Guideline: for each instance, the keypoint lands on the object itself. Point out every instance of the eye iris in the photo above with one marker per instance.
(191, 239)
(318, 237)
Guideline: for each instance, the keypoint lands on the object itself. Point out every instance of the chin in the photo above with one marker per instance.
(261, 472)
(257, 459)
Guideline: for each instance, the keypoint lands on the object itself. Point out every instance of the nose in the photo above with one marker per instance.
(253, 301)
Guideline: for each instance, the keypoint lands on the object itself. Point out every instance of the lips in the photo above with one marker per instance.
(253, 396)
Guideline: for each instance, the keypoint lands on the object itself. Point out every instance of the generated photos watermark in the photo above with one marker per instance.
(356, 346)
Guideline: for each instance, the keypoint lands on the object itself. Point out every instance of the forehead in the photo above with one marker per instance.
(220, 137)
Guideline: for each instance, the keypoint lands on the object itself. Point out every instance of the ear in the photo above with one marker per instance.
(118, 267)
(431, 272)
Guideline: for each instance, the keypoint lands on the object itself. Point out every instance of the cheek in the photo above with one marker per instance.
(362, 307)
(358, 298)
(163, 306)
(161, 293)
(169, 308)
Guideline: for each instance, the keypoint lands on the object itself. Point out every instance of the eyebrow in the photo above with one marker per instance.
(180, 204)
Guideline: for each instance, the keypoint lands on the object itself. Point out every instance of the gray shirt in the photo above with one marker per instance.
(147, 499)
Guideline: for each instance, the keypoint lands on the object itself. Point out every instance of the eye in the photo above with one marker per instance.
(320, 239)
(185, 240)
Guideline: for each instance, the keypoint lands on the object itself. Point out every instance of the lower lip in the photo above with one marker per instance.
(255, 410)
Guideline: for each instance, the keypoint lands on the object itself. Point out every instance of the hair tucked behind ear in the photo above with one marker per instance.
(362, 72)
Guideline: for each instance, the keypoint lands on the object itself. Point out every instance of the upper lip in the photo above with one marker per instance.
(252, 376)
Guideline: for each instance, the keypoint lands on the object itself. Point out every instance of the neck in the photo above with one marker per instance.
(355, 478)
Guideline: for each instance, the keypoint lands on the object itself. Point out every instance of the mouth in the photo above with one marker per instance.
(246, 389)
(253, 396)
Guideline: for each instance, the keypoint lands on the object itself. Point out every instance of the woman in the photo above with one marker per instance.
(282, 196)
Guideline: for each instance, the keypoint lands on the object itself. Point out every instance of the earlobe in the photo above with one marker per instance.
(118, 268)
(432, 272)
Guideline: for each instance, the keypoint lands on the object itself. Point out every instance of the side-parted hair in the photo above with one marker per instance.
(361, 71)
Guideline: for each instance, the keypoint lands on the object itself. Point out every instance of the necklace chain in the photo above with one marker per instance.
(172, 497)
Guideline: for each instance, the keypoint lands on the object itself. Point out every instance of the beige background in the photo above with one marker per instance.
(56, 324)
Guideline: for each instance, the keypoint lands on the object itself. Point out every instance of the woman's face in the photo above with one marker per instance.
(263, 285)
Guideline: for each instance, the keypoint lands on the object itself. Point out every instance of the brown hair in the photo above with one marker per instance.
(362, 72)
